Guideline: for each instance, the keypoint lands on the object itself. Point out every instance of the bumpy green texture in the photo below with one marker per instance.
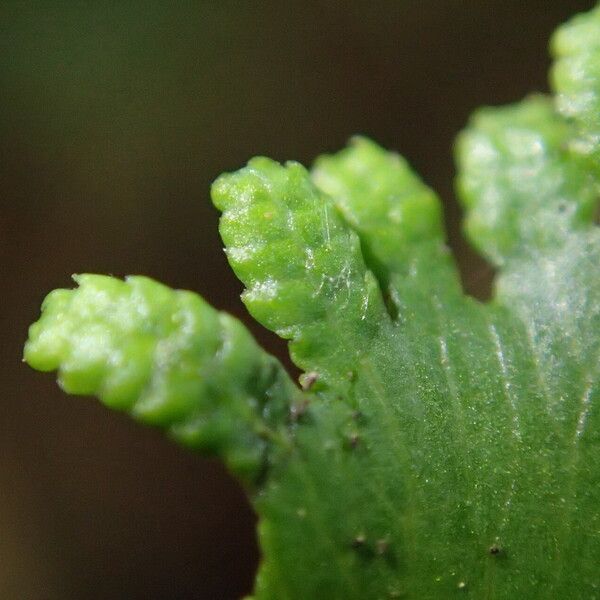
(439, 447)
(523, 189)
(169, 359)
(576, 79)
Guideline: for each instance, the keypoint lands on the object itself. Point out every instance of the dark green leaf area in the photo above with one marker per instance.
(460, 455)
(451, 471)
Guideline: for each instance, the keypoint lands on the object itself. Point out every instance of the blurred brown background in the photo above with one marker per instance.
(115, 117)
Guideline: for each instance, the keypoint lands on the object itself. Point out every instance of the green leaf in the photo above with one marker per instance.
(524, 190)
(440, 446)
(576, 79)
(169, 359)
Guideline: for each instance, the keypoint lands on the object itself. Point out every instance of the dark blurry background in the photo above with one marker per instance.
(115, 117)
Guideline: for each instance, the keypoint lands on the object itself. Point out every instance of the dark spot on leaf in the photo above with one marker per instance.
(357, 415)
(353, 440)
